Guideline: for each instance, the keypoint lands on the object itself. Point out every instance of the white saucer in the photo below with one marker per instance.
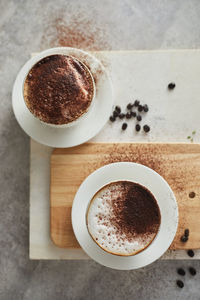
(144, 176)
(86, 128)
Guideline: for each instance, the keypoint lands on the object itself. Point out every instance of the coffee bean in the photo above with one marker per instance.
(118, 109)
(133, 114)
(140, 108)
(139, 118)
(192, 194)
(181, 272)
(190, 253)
(112, 119)
(146, 128)
(129, 106)
(192, 271)
(121, 116)
(180, 284)
(136, 103)
(124, 126)
(128, 115)
(146, 108)
(187, 232)
(137, 127)
(184, 239)
(171, 85)
(115, 114)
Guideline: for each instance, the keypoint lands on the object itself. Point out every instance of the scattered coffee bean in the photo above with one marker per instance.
(140, 108)
(181, 272)
(136, 103)
(124, 126)
(115, 114)
(118, 113)
(192, 194)
(146, 128)
(180, 284)
(133, 114)
(187, 232)
(137, 127)
(184, 239)
(190, 253)
(146, 108)
(192, 271)
(118, 109)
(112, 119)
(128, 115)
(129, 106)
(171, 85)
(121, 116)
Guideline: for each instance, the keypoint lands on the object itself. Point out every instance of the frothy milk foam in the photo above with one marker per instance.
(108, 224)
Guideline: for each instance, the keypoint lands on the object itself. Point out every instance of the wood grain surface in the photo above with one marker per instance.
(179, 164)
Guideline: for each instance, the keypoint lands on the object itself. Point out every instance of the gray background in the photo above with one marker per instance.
(28, 26)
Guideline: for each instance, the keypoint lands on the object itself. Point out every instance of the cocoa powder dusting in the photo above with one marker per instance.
(159, 158)
(136, 210)
(58, 89)
(76, 32)
(151, 158)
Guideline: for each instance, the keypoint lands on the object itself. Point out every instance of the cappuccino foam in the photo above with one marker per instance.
(123, 218)
(58, 89)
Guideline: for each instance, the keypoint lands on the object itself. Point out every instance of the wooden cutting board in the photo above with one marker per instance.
(179, 164)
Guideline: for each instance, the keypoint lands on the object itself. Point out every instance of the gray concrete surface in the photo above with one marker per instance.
(28, 26)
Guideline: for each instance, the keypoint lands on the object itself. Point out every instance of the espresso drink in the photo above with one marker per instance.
(58, 89)
(123, 218)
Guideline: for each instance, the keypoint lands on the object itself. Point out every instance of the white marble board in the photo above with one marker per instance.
(173, 115)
